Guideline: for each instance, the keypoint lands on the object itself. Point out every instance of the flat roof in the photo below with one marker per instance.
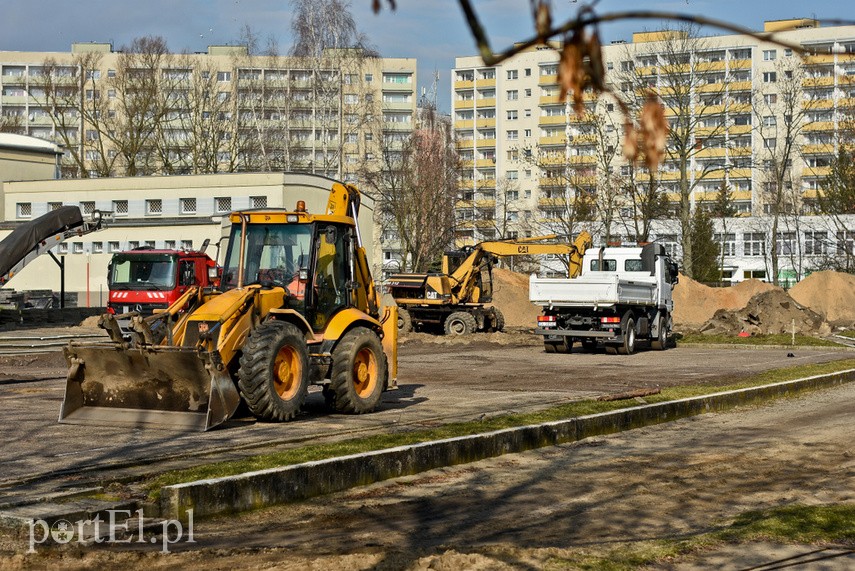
(26, 143)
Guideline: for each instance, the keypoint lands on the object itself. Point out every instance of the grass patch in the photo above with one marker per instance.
(383, 441)
(758, 340)
(827, 524)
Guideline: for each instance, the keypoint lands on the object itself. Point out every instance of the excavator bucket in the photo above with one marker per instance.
(175, 387)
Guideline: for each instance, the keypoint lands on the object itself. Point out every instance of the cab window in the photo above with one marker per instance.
(608, 266)
(633, 266)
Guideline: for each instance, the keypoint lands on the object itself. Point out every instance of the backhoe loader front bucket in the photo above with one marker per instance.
(166, 386)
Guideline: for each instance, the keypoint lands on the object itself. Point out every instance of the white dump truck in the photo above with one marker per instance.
(623, 295)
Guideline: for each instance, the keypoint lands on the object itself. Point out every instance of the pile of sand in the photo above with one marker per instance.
(770, 312)
(831, 294)
(695, 303)
(510, 295)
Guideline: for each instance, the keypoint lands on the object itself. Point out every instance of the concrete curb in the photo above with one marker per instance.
(252, 490)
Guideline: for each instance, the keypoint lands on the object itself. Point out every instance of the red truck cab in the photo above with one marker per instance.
(145, 279)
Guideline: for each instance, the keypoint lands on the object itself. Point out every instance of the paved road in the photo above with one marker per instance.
(533, 510)
(439, 383)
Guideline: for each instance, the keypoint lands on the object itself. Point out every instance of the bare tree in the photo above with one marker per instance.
(780, 120)
(682, 69)
(11, 124)
(415, 183)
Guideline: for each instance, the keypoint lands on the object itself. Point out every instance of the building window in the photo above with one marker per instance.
(97, 247)
(770, 55)
(51, 206)
(120, 208)
(169, 244)
(513, 135)
(87, 207)
(24, 210)
(62, 248)
(727, 243)
(77, 247)
(754, 244)
(258, 201)
(785, 243)
(187, 206)
(815, 243)
(527, 132)
(113, 247)
(770, 77)
(513, 95)
(186, 244)
(369, 77)
(224, 76)
(153, 207)
(512, 115)
(149, 244)
(133, 244)
(223, 204)
(513, 74)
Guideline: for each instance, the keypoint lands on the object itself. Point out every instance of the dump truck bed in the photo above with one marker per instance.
(602, 289)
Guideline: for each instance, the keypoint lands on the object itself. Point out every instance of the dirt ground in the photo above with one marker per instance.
(537, 509)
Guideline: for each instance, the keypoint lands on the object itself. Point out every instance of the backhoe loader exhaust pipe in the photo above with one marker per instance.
(175, 387)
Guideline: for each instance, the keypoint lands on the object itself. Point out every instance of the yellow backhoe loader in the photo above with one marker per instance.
(454, 299)
(296, 306)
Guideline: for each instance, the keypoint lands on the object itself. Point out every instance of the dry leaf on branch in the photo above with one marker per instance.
(375, 5)
(581, 66)
(542, 18)
(630, 141)
(654, 131)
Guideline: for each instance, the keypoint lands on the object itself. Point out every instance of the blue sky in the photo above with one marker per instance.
(433, 31)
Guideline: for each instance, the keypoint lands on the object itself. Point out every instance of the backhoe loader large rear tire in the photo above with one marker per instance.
(358, 372)
(460, 323)
(274, 371)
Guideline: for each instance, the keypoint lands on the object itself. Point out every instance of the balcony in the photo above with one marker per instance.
(464, 124)
(817, 171)
(485, 82)
(485, 163)
(818, 59)
(552, 181)
(825, 81)
(486, 203)
(464, 204)
(549, 100)
(739, 64)
(582, 160)
(552, 120)
(481, 123)
(587, 139)
(465, 143)
(821, 149)
(703, 66)
(711, 152)
(552, 141)
(820, 126)
(819, 103)
(484, 102)
(464, 84)
(740, 86)
(548, 80)
(551, 160)
(740, 152)
(464, 103)
(485, 184)
(739, 129)
(485, 143)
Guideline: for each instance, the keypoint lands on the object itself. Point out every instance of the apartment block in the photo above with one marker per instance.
(526, 154)
(223, 110)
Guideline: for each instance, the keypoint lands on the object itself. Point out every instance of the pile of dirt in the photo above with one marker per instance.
(831, 294)
(695, 303)
(770, 312)
(510, 295)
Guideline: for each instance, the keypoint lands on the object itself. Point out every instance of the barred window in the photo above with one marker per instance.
(258, 201)
(223, 204)
(153, 206)
(149, 244)
(120, 207)
(188, 206)
(87, 207)
(133, 244)
(186, 244)
(24, 209)
(54, 206)
(169, 244)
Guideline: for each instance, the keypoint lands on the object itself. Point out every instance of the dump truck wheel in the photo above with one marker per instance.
(549, 346)
(661, 341)
(274, 371)
(460, 323)
(358, 372)
(564, 345)
(628, 345)
(405, 321)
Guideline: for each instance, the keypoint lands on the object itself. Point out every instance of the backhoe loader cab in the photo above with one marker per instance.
(296, 306)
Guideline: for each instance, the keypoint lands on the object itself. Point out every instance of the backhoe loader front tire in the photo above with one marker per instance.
(274, 371)
(460, 323)
(405, 321)
(358, 372)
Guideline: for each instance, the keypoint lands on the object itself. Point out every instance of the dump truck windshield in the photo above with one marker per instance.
(138, 271)
(275, 255)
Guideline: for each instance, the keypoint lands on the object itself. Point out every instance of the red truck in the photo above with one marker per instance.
(144, 279)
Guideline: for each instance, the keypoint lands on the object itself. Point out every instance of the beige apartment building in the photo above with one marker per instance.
(518, 142)
(224, 110)
(221, 119)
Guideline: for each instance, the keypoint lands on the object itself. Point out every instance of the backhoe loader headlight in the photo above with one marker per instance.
(292, 218)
